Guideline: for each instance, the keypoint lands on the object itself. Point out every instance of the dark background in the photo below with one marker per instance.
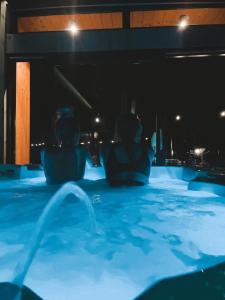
(191, 87)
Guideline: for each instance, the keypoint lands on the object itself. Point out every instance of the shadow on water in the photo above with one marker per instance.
(208, 284)
(15, 290)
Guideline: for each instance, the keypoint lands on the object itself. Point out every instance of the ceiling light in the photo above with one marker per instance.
(183, 22)
(73, 28)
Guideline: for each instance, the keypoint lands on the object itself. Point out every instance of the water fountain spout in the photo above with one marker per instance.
(57, 199)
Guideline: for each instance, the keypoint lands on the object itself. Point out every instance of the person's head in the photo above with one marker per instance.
(65, 112)
(67, 131)
(129, 128)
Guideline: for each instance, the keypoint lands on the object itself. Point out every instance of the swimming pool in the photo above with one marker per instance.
(144, 234)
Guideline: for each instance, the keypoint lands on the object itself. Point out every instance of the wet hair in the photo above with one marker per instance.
(129, 128)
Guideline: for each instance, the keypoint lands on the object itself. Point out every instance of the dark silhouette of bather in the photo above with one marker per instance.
(128, 161)
(66, 161)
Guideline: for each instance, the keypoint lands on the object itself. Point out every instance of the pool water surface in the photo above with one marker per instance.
(143, 234)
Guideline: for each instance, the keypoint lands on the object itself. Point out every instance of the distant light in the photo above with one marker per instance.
(32, 145)
(100, 142)
(178, 118)
(222, 54)
(97, 120)
(82, 143)
(183, 23)
(199, 55)
(222, 114)
(112, 142)
(192, 56)
(73, 28)
(88, 142)
(146, 138)
(199, 151)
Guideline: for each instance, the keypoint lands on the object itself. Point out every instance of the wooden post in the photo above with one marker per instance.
(22, 113)
(3, 9)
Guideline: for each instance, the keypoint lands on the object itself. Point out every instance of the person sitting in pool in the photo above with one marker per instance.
(67, 160)
(128, 161)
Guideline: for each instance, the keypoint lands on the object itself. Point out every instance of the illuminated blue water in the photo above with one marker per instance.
(145, 234)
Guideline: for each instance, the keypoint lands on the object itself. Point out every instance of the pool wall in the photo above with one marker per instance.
(190, 175)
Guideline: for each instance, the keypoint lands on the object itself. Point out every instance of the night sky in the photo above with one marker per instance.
(193, 88)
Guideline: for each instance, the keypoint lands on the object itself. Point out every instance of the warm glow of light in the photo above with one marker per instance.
(73, 28)
(199, 151)
(222, 113)
(199, 55)
(183, 23)
(97, 120)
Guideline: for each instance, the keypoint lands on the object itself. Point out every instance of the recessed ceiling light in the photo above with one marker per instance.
(73, 28)
(183, 22)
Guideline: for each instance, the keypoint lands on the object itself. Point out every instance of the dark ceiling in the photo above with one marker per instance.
(28, 4)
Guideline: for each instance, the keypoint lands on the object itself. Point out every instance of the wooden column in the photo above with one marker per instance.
(3, 9)
(22, 113)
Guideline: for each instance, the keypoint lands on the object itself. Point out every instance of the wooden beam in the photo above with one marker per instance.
(162, 18)
(3, 9)
(22, 113)
(62, 22)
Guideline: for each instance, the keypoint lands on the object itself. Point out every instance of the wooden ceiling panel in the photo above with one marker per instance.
(61, 22)
(158, 18)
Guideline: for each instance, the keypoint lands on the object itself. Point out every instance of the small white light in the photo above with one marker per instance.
(199, 151)
(183, 23)
(97, 120)
(82, 143)
(112, 142)
(73, 28)
(178, 118)
(146, 138)
(179, 56)
(199, 55)
(88, 142)
(32, 145)
(222, 114)
(100, 142)
(222, 54)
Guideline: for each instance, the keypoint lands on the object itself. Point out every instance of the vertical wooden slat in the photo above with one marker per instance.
(22, 113)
